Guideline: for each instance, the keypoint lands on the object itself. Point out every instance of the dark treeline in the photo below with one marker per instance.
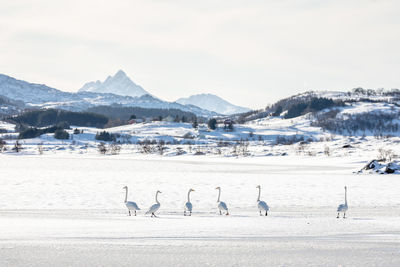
(312, 105)
(48, 117)
(32, 132)
(375, 123)
(295, 106)
(125, 113)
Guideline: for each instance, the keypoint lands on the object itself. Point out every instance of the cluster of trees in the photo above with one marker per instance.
(313, 105)
(295, 106)
(46, 117)
(33, 132)
(105, 136)
(375, 123)
(112, 148)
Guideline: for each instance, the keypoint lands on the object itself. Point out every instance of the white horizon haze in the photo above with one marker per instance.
(250, 53)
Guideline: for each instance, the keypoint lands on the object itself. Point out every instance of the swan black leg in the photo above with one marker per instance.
(190, 214)
(260, 213)
(184, 213)
(344, 215)
(337, 215)
(129, 212)
(227, 213)
(220, 213)
(266, 213)
(135, 212)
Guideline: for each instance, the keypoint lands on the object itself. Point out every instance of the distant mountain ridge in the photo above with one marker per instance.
(40, 95)
(119, 84)
(213, 103)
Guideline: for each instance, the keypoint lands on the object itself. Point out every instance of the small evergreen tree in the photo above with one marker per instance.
(61, 134)
(212, 124)
(195, 123)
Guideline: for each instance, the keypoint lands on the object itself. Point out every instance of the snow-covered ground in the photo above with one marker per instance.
(61, 201)
(66, 209)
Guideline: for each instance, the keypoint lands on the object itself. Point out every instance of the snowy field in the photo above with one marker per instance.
(67, 210)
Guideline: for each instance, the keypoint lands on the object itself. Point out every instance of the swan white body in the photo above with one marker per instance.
(262, 206)
(154, 208)
(342, 208)
(221, 205)
(188, 204)
(130, 205)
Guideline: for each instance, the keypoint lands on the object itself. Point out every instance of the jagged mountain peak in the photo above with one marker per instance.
(119, 84)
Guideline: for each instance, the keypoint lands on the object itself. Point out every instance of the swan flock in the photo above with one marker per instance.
(222, 207)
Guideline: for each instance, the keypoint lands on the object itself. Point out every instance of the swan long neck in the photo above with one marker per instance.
(259, 194)
(219, 194)
(157, 198)
(126, 194)
(189, 195)
(345, 196)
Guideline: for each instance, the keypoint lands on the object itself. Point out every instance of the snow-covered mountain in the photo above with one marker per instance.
(119, 84)
(213, 103)
(40, 95)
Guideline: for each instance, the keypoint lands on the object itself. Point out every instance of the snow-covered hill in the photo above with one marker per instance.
(9, 106)
(40, 95)
(213, 103)
(119, 84)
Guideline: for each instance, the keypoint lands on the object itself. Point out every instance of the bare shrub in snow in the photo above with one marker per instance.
(161, 146)
(115, 148)
(146, 146)
(243, 148)
(301, 147)
(2, 145)
(385, 154)
(17, 146)
(40, 148)
(102, 148)
(327, 151)
(234, 151)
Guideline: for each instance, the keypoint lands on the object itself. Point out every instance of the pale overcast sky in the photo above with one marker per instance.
(249, 52)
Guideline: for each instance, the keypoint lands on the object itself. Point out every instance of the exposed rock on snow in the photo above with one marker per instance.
(382, 168)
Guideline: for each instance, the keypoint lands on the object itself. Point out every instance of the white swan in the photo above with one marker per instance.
(154, 207)
(188, 204)
(130, 204)
(262, 206)
(221, 205)
(343, 207)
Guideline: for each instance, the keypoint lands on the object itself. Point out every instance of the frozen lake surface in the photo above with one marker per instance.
(67, 210)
